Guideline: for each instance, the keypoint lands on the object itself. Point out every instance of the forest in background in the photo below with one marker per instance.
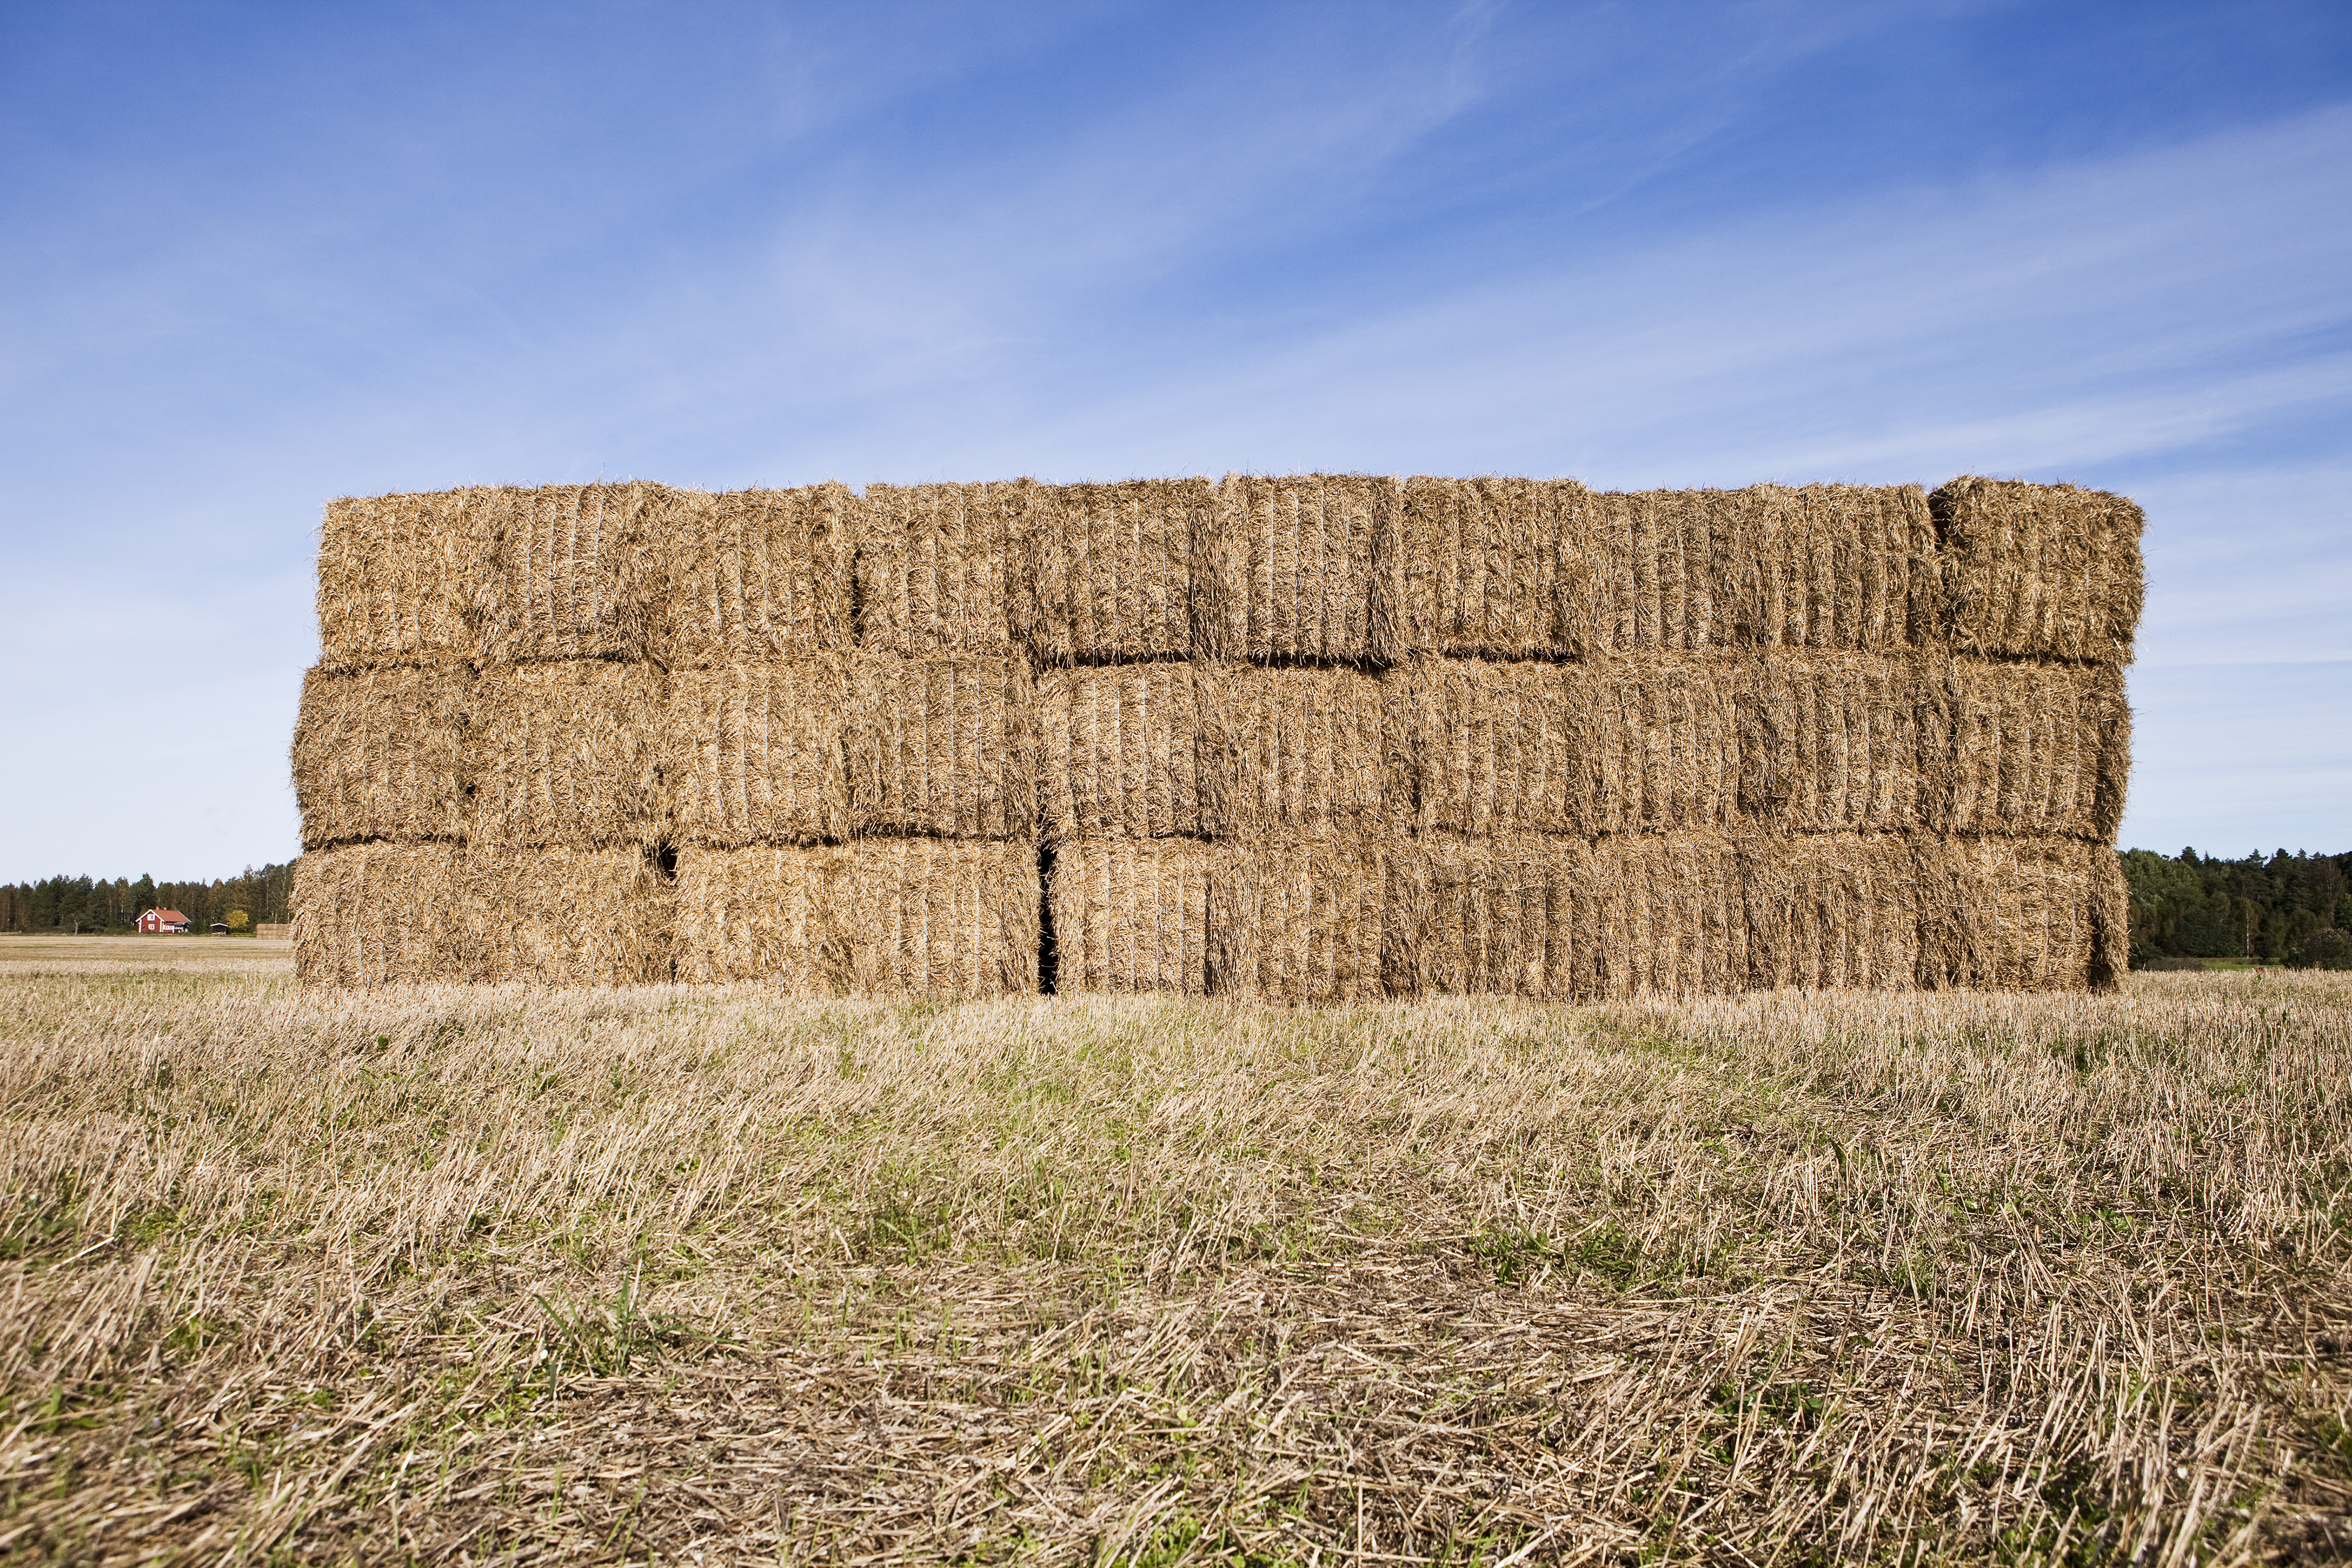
(96, 905)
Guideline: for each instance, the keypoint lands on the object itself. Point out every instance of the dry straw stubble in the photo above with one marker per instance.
(760, 577)
(383, 754)
(1111, 568)
(756, 753)
(570, 753)
(2041, 571)
(2026, 748)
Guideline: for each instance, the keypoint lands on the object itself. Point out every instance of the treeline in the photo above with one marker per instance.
(95, 904)
(2279, 909)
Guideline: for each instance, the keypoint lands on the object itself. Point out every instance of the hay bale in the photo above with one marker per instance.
(1671, 914)
(2004, 913)
(1827, 910)
(1829, 742)
(564, 915)
(1299, 922)
(383, 754)
(575, 571)
(1512, 915)
(400, 578)
(757, 753)
(875, 918)
(1111, 568)
(943, 748)
(569, 753)
(1132, 914)
(1130, 751)
(1835, 567)
(1487, 569)
(1655, 570)
(2110, 920)
(378, 914)
(2026, 748)
(1302, 567)
(938, 568)
(1297, 753)
(2040, 572)
(759, 576)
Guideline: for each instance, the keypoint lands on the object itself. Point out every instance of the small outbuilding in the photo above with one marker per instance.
(164, 922)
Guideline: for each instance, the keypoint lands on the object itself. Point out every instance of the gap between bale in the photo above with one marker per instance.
(384, 754)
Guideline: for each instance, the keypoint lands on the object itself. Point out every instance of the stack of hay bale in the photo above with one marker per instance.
(1317, 738)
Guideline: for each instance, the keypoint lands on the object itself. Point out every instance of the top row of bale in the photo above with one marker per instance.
(1352, 569)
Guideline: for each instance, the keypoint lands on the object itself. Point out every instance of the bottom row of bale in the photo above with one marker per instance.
(1328, 921)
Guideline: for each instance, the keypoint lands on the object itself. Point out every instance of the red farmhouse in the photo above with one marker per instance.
(165, 920)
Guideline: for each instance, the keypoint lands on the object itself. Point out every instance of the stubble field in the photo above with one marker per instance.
(693, 1275)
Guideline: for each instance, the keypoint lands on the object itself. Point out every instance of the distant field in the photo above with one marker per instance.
(450, 1275)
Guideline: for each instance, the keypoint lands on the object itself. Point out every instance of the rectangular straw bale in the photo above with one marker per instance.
(1672, 917)
(1659, 746)
(2004, 913)
(1487, 569)
(1654, 570)
(401, 578)
(1112, 568)
(940, 567)
(1299, 752)
(1835, 567)
(1129, 751)
(564, 915)
(756, 753)
(759, 576)
(575, 572)
(2026, 748)
(383, 754)
(1301, 566)
(944, 747)
(378, 913)
(1299, 923)
(1512, 916)
(1829, 742)
(2040, 572)
(569, 752)
(1828, 910)
(1132, 914)
(875, 918)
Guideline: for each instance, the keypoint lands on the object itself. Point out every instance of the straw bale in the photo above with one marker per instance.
(1488, 569)
(564, 915)
(2040, 572)
(760, 577)
(1656, 570)
(1302, 567)
(383, 754)
(575, 572)
(1831, 910)
(942, 747)
(569, 752)
(1835, 567)
(881, 917)
(2004, 913)
(400, 578)
(1132, 914)
(2110, 920)
(1829, 743)
(756, 753)
(1300, 922)
(1131, 751)
(1516, 916)
(1112, 568)
(378, 913)
(1299, 752)
(940, 567)
(2026, 748)
(1672, 917)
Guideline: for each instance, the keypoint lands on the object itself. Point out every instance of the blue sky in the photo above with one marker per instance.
(255, 257)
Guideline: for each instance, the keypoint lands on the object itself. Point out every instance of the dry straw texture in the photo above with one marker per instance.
(1130, 751)
(575, 572)
(1300, 922)
(938, 567)
(400, 578)
(2026, 748)
(1828, 910)
(1829, 742)
(2024, 914)
(1662, 577)
(1302, 567)
(569, 752)
(1514, 916)
(1133, 914)
(1836, 566)
(376, 915)
(2041, 571)
(758, 576)
(563, 916)
(1112, 568)
(754, 753)
(1492, 567)
(944, 747)
(1672, 915)
(1304, 752)
(875, 918)
(383, 754)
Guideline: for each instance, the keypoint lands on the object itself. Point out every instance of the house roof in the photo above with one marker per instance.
(170, 916)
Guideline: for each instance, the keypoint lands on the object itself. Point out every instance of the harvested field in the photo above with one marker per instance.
(401, 578)
(759, 576)
(2026, 748)
(1831, 742)
(938, 568)
(756, 753)
(1302, 567)
(381, 754)
(2041, 571)
(575, 572)
(445, 1275)
(943, 748)
(569, 753)
(1112, 568)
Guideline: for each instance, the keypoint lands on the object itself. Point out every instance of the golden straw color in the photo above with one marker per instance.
(756, 753)
(2026, 914)
(401, 578)
(1828, 910)
(2041, 571)
(1489, 567)
(1112, 568)
(877, 918)
(1302, 567)
(1515, 916)
(378, 914)
(564, 915)
(1662, 577)
(942, 747)
(1301, 752)
(940, 567)
(759, 576)
(1132, 914)
(575, 572)
(1299, 922)
(2026, 748)
(1834, 567)
(569, 753)
(1672, 917)
(1829, 742)
(1130, 751)
(383, 754)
